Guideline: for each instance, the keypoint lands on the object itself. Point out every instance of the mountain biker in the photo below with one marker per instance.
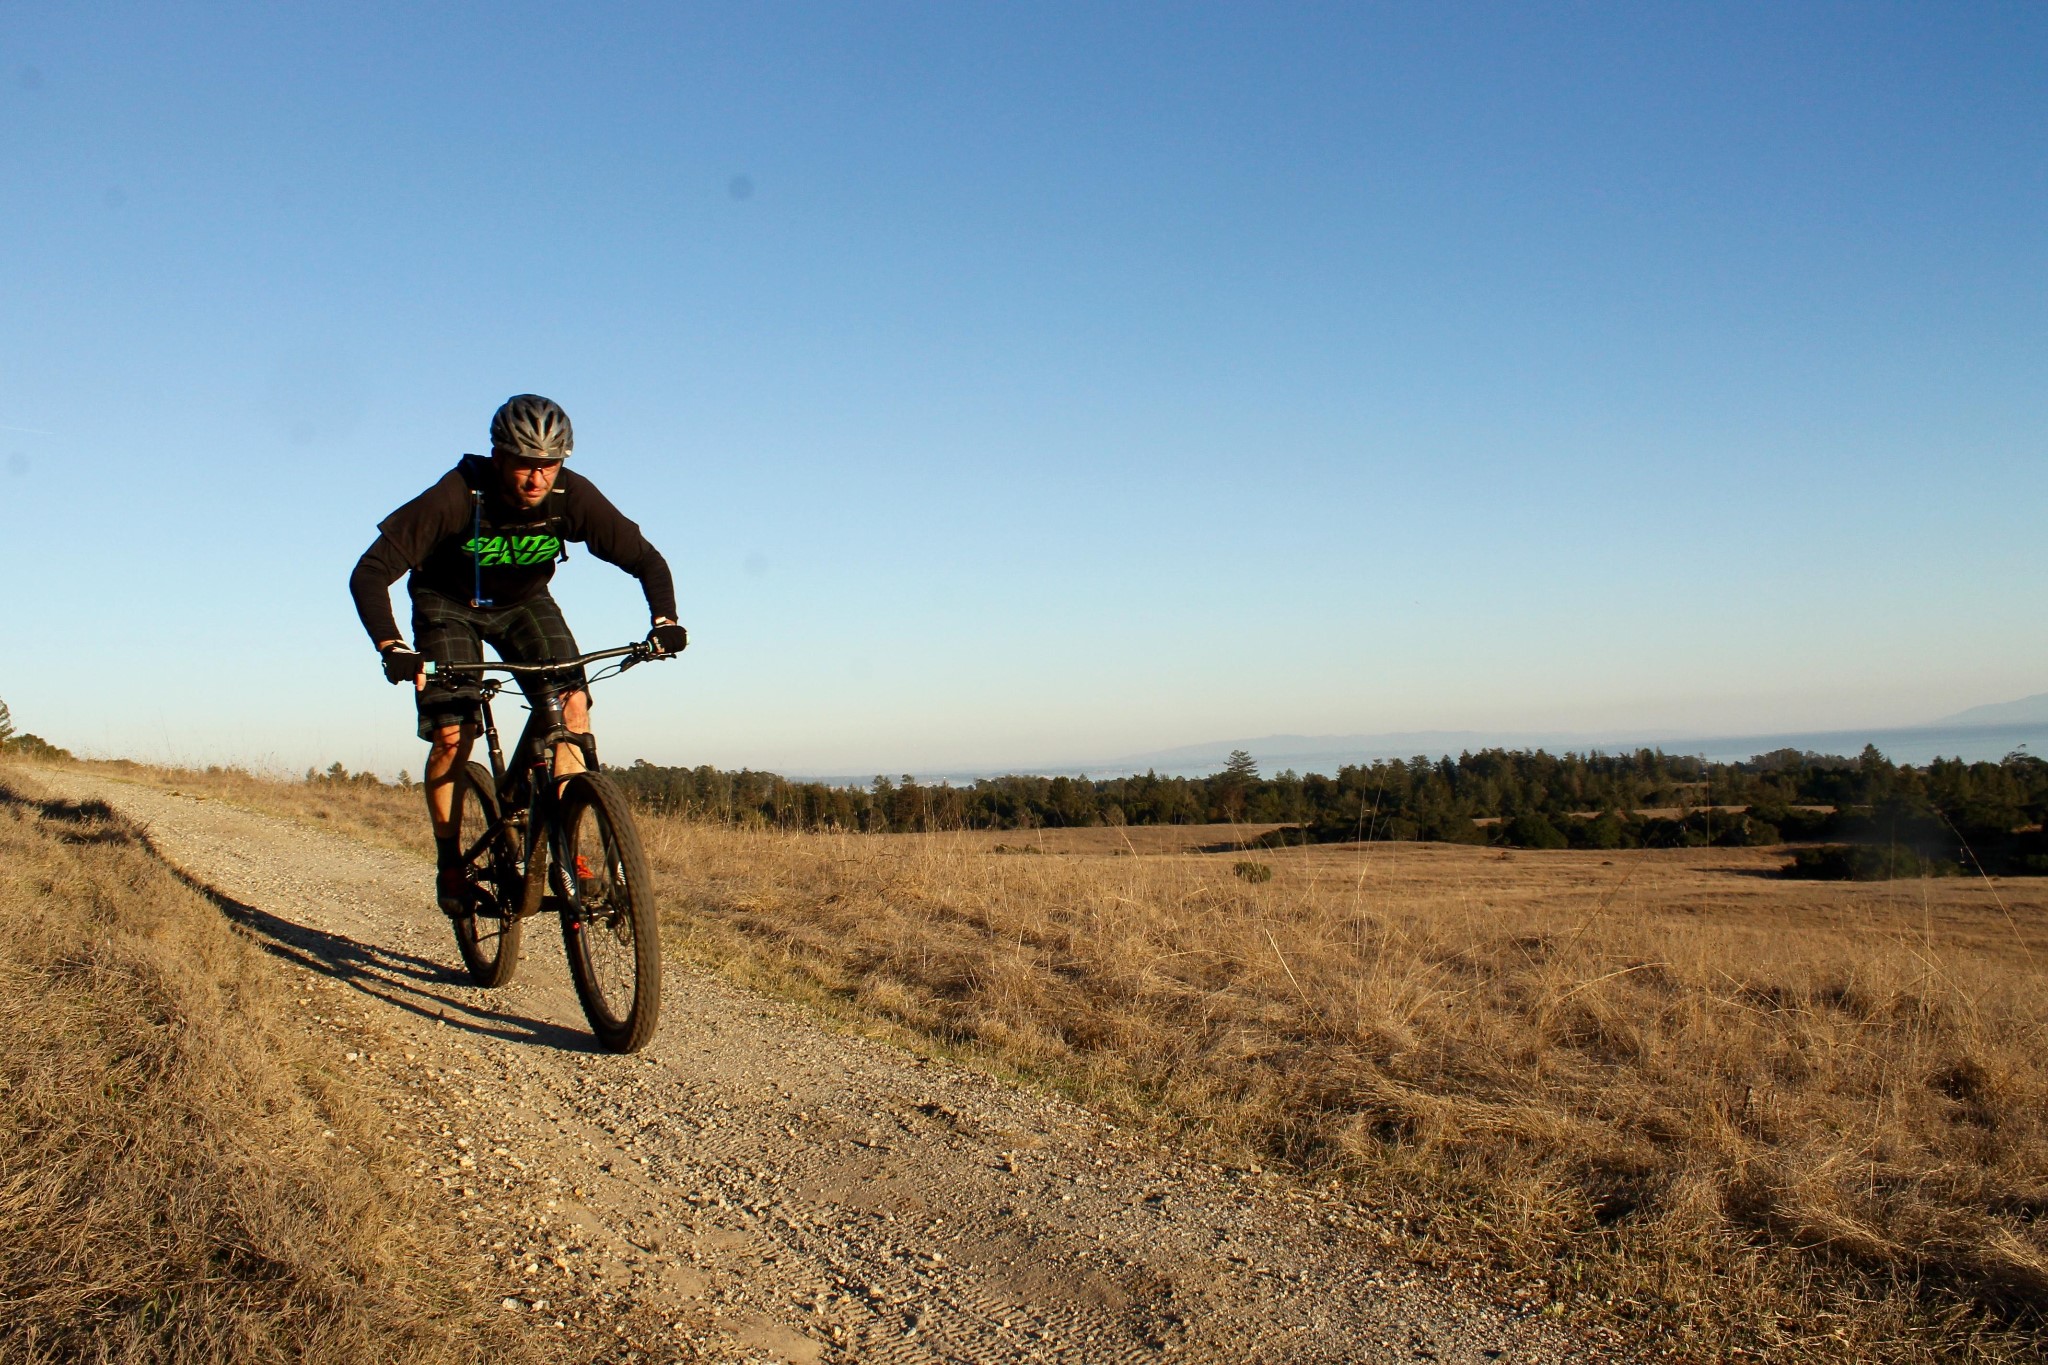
(480, 546)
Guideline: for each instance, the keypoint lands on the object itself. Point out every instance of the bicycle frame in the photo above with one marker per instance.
(533, 762)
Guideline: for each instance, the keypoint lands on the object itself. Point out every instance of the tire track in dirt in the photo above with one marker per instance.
(776, 1190)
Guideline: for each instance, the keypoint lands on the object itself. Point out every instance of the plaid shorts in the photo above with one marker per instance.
(450, 632)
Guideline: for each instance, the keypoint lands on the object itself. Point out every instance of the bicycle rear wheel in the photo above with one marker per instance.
(608, 923)
(488, 934)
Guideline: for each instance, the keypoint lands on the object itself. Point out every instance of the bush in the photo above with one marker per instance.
(1902, 821)
(1866, 863)
(1253, 872)
(1450, 829)
(338, 774)
(34, 746)
(1662, 833)
(1530, 830)
(1986, 822)
(1400, 829)
(1794, 824)
(1744, 831)
(1603, 831)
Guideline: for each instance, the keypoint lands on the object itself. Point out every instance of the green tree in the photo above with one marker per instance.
(1531, 830)
(1230, 787)
(6, 724)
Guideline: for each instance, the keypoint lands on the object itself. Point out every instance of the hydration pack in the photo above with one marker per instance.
(501, 541)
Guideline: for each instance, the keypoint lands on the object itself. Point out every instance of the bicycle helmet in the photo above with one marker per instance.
(530, 427)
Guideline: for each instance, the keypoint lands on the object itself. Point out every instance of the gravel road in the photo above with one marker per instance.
(765, 1187)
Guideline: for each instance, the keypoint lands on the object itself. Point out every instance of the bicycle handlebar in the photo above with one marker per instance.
(636, 653)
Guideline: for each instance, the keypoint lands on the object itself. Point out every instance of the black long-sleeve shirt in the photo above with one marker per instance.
(432, 538)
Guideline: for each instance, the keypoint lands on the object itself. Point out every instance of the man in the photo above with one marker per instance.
(480, 547)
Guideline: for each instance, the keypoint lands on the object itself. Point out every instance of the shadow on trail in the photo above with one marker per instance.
(415, 984)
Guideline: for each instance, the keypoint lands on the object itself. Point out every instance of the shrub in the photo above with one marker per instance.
(34, 746)
(1744, 831)
(1865, 863)
(1530, 830)
(1603, 831)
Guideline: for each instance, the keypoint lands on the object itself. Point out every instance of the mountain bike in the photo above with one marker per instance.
(534, 845)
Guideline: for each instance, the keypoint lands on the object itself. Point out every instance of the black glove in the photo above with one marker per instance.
(402, 662)
(668, 638)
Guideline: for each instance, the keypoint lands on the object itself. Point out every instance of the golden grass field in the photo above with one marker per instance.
(1793, 1120)
(182, 1178)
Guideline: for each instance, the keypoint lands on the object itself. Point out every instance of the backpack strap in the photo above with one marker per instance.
(555, 516)
(476, 554)
(558, 521)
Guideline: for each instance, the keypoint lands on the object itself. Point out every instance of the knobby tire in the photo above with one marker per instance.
(487, 936)
(609, 926)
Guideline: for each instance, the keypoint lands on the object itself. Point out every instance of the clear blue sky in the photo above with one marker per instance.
(1012, 384)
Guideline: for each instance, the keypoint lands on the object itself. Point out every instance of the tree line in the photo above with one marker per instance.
(23, 744)
(1862, 817)
(1514, 798)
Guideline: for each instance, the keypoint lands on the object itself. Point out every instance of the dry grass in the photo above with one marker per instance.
(179, 1180)
(389, 816)
(1750, 1114)
(1807, 1121)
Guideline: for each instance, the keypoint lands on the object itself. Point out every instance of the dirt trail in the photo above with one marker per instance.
(781, 1192)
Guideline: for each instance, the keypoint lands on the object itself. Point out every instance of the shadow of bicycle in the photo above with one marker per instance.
(420, 986)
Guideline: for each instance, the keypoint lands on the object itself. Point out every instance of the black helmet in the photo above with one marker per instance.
(531, 427)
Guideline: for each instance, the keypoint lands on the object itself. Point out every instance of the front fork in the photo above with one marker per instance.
(542, 837)
(543, 810)
(547, 842)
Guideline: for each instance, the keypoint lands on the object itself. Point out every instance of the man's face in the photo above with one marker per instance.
(527, 482)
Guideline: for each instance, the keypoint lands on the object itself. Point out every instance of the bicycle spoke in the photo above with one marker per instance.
(610, 932)
(487, 935)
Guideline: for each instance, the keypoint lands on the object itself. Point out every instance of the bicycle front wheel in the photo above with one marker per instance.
(608, 921)
(487, 933)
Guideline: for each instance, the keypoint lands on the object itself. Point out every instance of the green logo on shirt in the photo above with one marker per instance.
(497, 552)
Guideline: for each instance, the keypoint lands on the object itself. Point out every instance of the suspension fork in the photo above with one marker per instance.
(497, 756)
(540, 835)
(558, 847)
(545, 839)
(491, 747)
(536, 751)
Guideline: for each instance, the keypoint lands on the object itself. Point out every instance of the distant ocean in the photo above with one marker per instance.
(1920, 745)
(1917, 745)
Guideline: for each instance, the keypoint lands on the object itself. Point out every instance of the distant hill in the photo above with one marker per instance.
(2026, 711)
(1325, 753)
(1990, 725)
(1987, 733)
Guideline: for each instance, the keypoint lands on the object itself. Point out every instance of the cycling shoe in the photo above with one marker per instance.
(451, 887)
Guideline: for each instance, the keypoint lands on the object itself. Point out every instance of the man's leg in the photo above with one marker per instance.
(451, 745)
(535, 632)
(576, 720)
(447, 633)
(444, 764)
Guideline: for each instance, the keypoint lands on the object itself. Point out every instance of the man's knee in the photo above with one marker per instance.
(452, 741)
(576, 711)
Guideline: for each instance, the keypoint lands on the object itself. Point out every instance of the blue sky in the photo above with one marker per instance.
(1018, 384)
